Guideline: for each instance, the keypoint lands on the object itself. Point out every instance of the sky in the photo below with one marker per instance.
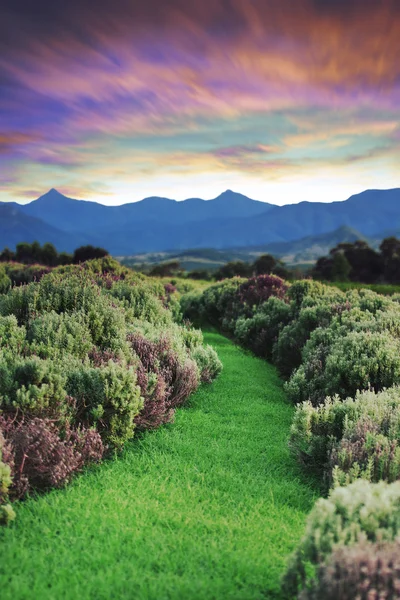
(281, 100)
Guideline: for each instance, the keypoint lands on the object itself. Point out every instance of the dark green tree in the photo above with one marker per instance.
(323, 269)
(341, 267)
(234, 269)
(24, 253)
(36, 253)
(265, 264)
(366, 265)
(49, 255)
(7, 255)
(84, 253)
(200, 274)
(390, 252)
(167, 269)
(64, 258)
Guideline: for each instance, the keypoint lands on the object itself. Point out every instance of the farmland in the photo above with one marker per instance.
(140, 456)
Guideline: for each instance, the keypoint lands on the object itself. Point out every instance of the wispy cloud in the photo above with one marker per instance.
(269, 89)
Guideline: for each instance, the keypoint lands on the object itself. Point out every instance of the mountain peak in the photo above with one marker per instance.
(230, 195)
(53, 192)
(52, 195)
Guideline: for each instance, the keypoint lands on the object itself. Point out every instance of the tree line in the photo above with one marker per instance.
(359, 262)
(30, 254)
(263, 265)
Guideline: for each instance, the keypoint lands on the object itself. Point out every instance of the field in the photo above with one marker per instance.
(207, 507)
(380, 288)
(208, 258)
(213, 479)
(212, 259)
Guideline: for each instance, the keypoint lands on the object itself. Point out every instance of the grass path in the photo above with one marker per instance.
(206, 508)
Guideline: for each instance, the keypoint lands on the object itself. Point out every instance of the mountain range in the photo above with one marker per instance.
(231, 220)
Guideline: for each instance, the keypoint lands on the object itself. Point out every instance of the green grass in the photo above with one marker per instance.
(387, 289)
(208, 507)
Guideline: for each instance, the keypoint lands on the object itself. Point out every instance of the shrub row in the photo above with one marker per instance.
(340, 355)
(345, 440)
(350, 548)
(88, 354)
(327, 344)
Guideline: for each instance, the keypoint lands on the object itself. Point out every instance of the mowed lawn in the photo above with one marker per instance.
(208, 507)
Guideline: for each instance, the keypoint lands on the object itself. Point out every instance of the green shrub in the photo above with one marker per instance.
(317, 306)
(364, 452)
(62, 294)
(314, 290)
(103, 316)
(315, 430)
(17, 303)
(352, 438)
(367, 300)
(359, 513)
(12, 337)
(21, 274)
(108, 398)
(362, 360)
(384, 289)
(53, 293)
(6, 512)
(191, 338)
(33, 385)
(207, 362)
(97, 267)
(53, 335)
(221, 304)
(107, 326)
(261, 331)
(343, 365)
(106, 265)
(192, 307)
(287, 353)
(141, 303)
(5, 281)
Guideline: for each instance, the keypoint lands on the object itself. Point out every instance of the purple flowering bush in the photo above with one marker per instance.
(257, 290)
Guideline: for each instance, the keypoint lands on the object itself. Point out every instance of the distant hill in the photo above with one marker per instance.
(370, 213)
(15, 227)
(310, 248)
(230, 220)
(191, 260)
(303, 251)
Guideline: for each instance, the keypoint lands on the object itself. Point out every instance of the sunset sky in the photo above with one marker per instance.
(282, 100)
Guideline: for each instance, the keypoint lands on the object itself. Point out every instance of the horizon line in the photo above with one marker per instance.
(230, 191)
